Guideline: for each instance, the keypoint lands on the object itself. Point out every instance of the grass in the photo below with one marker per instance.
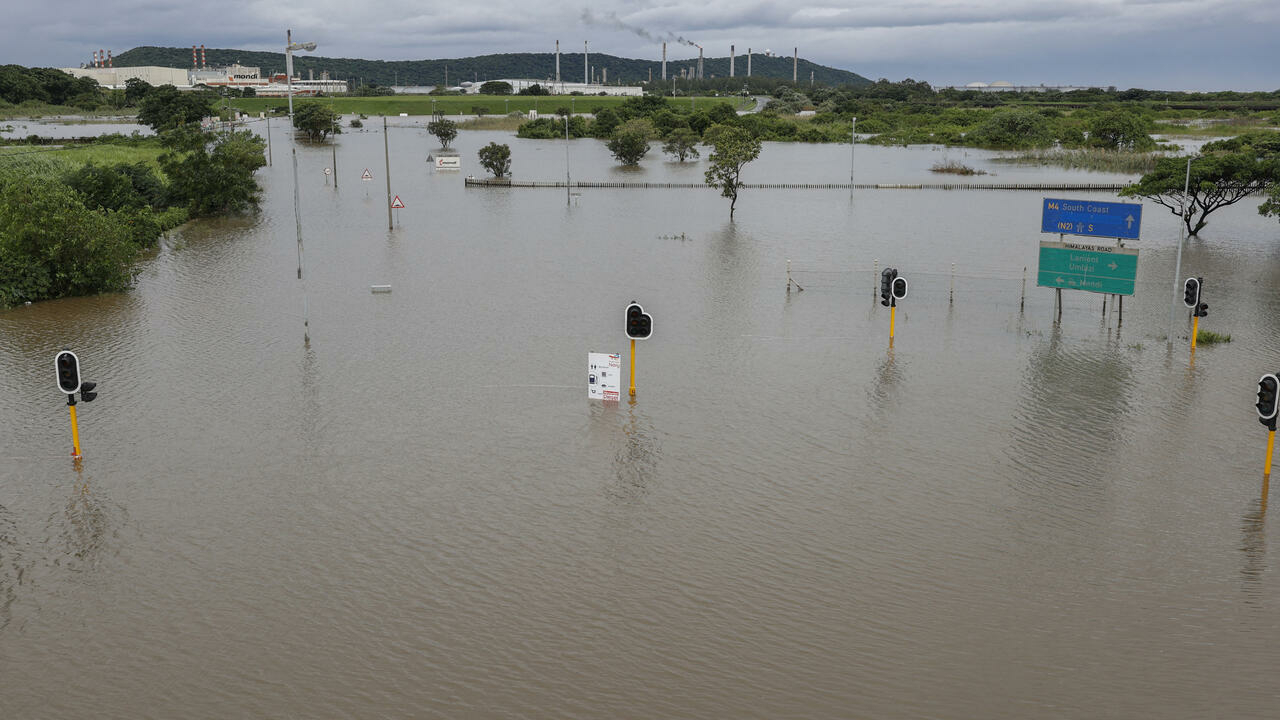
(463, 104)
(954, 167)
(494, 122)
(27, 158)
(1088, 159)
(1209, 337)
(34, 110)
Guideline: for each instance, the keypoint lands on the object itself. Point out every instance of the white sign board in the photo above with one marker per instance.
(448, 162)
(604, 376)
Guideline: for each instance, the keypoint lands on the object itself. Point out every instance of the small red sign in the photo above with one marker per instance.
(397, 204)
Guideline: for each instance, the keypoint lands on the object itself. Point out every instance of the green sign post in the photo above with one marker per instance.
(1104, 269)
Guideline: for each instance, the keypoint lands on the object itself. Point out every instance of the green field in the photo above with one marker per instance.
(36, 159)
(467, 104)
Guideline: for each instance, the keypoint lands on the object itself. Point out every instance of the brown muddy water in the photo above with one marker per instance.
(420, 513)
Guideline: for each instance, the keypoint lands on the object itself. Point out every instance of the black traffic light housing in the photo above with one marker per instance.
(67, 367)
(899, 288)
(1268, 399)
(1191, 292)
(887, 278)
(638, 324)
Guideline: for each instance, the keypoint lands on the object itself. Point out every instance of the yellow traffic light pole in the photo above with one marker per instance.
(633, 367)
(893, 311)
(1271, 445)
(1195, 330)
(75, 430)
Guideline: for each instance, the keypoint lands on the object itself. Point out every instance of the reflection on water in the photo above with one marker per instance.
(1253, 545)
(636, 462)
(87, 528)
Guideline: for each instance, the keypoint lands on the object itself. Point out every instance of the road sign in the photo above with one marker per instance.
(1090, 217)
(366, 175)
(604, 376)
(1096, 268)
(397, 204)
(328, 171)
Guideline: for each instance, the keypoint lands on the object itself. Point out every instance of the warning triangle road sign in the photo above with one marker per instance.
(397, 204)
(366, 175)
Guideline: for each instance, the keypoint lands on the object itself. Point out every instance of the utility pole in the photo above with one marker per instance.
(386, 154)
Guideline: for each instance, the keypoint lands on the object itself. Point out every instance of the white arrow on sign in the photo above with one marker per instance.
(1128, 222)
(1059, 279)
(1113, 265)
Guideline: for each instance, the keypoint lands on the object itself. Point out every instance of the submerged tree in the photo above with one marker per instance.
(731, 149)
(681, 144)
(496, 159)
(1217, 179)
(444, 130)
(315, 119)
(630, 141)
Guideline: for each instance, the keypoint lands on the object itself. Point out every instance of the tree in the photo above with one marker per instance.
(1014, 128)
(681, 144)
(317, 120)
(731, 149)
(1217, 179)
(630, 141)
(210, 173)
(52, 246)
(495, 87)
(1120, 130)
(534, 89)
(166, 107)
(135, 89)
(496, 159)
(444, 130)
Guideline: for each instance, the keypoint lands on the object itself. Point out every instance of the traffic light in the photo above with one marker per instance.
(639, 324)
(67, 366)
(1268, 392)
(1191, 292)
(1202, 309)
(899, 288)
(887, 276)
(86, 391)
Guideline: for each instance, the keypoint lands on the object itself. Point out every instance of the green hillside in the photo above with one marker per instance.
(486, 67)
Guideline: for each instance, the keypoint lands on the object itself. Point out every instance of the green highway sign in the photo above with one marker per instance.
(1096, 268)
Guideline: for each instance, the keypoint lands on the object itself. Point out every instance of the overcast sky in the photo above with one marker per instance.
(1155, 44)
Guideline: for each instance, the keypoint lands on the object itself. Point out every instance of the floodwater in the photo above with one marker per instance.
(419, 513)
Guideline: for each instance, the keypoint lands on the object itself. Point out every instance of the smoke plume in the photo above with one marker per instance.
(612, 21)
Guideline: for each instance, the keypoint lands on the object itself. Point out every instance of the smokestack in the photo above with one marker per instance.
(730, 61)
(604, 76)
(748, 62)
(102, 58)
(95, 59)
(586, 69)
(194, 64)
(557, 62)
(699, 62)
(795, 64)
(664, 61)
(203, 64)
(109, 59)
(810, 78)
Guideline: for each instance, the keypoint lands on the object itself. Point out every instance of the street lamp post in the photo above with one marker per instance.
(289, 47)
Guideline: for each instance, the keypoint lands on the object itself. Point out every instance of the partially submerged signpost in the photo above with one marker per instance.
(1110, 270)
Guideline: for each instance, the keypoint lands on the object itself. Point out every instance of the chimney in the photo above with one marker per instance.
(604, 76)
(664, 61)
(730, 61)
(109, 59)
(194, 64)
(95, 59)
(557, 62)
(748, 62)
(311, 74)
(699, 62)
(586, 69)
(203, 64)
(795, 64)
(810, 78)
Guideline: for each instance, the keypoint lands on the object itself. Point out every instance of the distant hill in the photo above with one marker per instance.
(486, 67)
